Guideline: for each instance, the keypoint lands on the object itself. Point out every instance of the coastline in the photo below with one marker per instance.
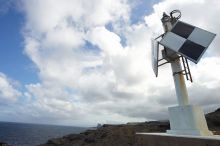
(120, 135)
(124, 134)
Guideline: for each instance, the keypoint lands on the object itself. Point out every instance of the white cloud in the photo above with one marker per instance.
(8, 92)
(91, 73)
(209, 67)
(82, 13)
(110, 46)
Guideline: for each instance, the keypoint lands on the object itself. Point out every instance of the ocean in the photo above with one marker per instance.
(19, 134)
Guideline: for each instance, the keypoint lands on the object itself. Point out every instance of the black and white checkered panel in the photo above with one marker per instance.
(188, 40)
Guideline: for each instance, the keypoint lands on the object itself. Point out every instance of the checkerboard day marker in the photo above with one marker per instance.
(179, 43)
(188, 40)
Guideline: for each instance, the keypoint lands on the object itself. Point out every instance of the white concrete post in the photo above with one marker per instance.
(179, 81)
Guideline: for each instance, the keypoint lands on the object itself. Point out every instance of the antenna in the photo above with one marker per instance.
(182, 42)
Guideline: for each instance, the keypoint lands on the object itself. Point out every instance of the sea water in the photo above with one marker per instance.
(19, 134)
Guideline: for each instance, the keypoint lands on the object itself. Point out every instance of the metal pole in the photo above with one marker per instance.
(179, 81)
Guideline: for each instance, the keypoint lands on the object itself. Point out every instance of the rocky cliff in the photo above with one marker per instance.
(123, 135)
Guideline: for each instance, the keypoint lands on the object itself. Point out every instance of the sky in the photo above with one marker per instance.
(80, 62)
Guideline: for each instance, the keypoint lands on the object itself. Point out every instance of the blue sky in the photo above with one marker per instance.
(85, 62)
(14, 62)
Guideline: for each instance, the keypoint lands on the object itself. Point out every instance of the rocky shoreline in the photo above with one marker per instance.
(109, 135)
(123, 135)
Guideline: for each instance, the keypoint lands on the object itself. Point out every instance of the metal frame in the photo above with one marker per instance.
(186, 71)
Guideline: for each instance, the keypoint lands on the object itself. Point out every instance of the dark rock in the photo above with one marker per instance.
(90, 140)
(89, 132)
(4, 144)
(46, 145)
(56, 141)
(213, 119)
(74, 137)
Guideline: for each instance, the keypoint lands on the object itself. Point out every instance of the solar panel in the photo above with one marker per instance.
(188, 40)
(154, 55)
